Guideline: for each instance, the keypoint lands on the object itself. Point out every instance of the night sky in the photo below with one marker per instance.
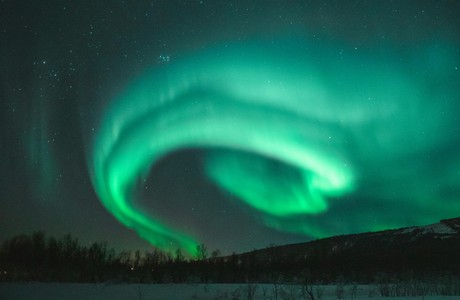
(239, 124)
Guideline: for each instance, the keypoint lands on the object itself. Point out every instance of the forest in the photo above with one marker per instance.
(37, 257)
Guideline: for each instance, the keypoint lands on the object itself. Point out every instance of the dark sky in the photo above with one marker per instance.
(234, 123)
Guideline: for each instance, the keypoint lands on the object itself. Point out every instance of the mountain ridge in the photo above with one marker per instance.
(445, 228)
(430, 249)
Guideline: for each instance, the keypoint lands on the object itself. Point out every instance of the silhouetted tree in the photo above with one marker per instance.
(201, 252)
(215, 254)
(179, 256)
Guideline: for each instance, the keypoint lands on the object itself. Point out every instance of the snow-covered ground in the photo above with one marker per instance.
(437, 229)
(70, 291)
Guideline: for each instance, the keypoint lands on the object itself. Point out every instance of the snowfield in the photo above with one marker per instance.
(76, 291)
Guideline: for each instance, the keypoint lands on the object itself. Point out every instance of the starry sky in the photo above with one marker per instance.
(239, 124)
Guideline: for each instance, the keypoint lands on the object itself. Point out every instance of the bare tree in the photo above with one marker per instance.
(179, 256)
(216, 253)
(201, 252)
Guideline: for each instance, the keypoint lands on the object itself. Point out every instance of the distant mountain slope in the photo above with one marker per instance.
(431, 249)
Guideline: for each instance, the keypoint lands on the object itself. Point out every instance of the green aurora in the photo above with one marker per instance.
(296, 130)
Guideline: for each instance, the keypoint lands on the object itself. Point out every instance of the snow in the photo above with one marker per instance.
(71, 291)
(437, 229)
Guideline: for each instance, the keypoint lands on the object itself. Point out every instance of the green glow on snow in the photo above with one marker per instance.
(291, 129)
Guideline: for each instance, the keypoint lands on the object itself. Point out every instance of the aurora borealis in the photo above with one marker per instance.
(280, 124)
(250, 132)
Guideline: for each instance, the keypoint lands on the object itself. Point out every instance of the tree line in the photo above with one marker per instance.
(37, 257)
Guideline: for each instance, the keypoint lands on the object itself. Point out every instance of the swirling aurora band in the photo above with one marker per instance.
(275, 118)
